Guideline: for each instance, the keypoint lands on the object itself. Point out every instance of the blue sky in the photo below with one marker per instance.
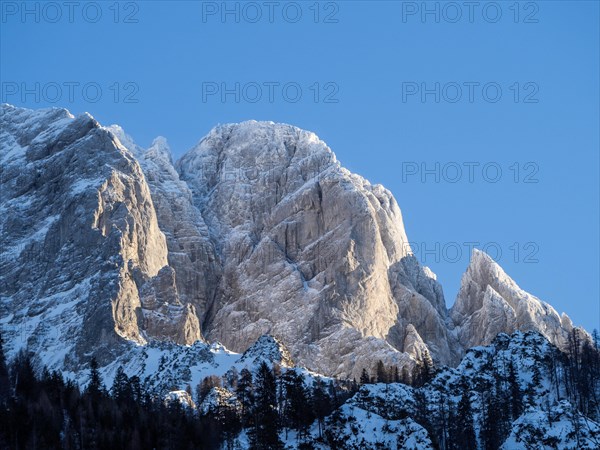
(517, 108)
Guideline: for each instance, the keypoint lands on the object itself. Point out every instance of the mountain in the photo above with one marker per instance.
(112, 250)
(489, 302)
(309, 252)
(84, 263)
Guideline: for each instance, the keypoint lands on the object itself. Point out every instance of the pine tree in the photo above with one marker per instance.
(381, 373)
(23, 375)
(354, 386)
(442, 420)
(265, 433)
(574, 363)
(516, 395)
(553, 369)
(364, 377)
(416, 378)
(421, 412)
(428, 366)
(321, 403)
(454, 431)
(136, 389)
(405, 377)
(531, 392)
(297, 412)
(496, 416)
(95, 387)
(396, 375)
(120, 388)
(464, 420)
(588, 378)
(489, 435)
(245, 395)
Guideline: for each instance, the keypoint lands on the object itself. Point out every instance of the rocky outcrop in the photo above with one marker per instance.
(414, 345)
(182, 398)
(490, 302)
(164, 315)
(268, 349)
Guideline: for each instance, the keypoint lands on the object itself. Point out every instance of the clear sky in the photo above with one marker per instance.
(503, 151)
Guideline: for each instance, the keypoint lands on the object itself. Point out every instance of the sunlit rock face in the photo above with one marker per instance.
(256, 230)
(191, 252)
(490, 302)
(309, 252)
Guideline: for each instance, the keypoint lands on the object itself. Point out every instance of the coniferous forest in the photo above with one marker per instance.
(39, 409)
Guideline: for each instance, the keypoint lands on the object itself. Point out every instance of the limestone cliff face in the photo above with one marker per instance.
(79, 240)
(490, 302)
(191, 252)
(309, 252)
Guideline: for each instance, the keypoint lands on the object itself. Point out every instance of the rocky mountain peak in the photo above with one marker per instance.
(159, 149)
(256, 230)
(81, 234)
(264, 140)
(490, 302)
(297, 235)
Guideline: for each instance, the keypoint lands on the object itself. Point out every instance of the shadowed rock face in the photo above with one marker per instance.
(80, 241)
(258, 229)
(191, 252)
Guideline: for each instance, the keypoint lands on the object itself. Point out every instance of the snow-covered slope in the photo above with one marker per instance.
(516, 390)
(162, 366)
(492, 378)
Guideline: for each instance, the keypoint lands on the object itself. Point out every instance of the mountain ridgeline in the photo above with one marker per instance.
(255, 294)
(258, 229)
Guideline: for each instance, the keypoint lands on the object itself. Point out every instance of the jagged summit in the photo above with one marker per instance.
(160, 149)
(252, 151)
(256, 230)
(490, 302)
(14, 113)
(267, 135)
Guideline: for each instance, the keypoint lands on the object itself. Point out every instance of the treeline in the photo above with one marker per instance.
(502, 397)
(422, 372)
(271, 402)
(41, 410)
